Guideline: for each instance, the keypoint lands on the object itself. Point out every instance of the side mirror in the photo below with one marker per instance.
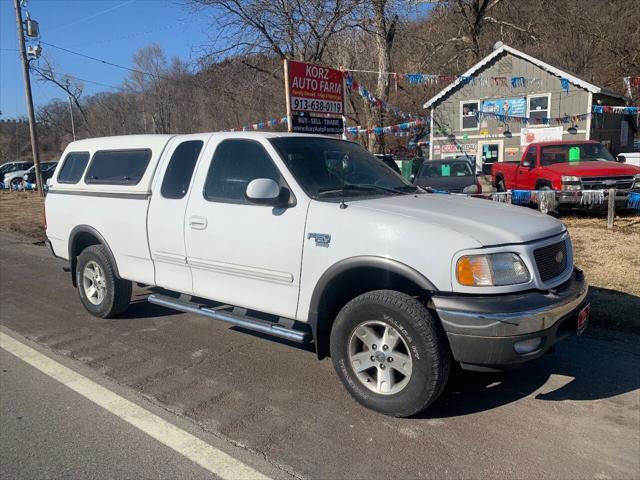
(527, 163)
(265, 191)
(621, 159)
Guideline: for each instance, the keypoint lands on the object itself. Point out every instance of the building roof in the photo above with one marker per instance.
(517, 53)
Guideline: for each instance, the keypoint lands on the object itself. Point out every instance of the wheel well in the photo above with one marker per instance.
(543, 183)
(82, 238)
(349, 284)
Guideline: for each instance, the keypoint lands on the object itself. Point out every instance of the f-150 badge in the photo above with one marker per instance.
(322, 239)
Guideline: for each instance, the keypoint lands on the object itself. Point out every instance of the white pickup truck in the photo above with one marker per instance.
(312, 239)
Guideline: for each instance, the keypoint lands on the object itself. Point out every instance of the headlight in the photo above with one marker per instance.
(494, 270)
(470, 189)
(571, 183)
(636, 180)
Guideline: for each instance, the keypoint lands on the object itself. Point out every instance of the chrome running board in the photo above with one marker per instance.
(242, 321)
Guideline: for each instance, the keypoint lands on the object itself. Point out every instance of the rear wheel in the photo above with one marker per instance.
(389, 353)
(500, 186)
(102, 293)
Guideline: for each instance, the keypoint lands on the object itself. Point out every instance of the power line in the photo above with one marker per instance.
(89, 57)
(142, 72)
(94, 15)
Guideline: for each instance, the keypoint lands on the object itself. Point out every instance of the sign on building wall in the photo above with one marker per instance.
(530, 135)
(459, 148)
(516, 107)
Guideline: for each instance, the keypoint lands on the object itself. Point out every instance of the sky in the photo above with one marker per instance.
(112, 30)
(108, 29)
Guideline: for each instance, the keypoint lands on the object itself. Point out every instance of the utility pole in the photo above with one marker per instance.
(73, 126)
(27, 92)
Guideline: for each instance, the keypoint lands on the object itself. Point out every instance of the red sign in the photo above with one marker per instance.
(315, 89)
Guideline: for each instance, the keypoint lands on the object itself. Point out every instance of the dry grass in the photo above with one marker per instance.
(22, 212)
(611, 261)
(610, 258)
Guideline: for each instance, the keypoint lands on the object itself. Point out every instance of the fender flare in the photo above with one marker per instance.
(73, 238)
(350, 263)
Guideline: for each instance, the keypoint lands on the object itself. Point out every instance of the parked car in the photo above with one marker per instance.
(452, 175)
(14, 177)
(46, 170)
(11, 167)
(630, 158)
(389, 161)
(313, 240)
(568, 167)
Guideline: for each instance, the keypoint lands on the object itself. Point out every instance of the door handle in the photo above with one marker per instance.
(198, 223)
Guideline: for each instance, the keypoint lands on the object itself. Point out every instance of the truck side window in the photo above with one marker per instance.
(118, 167)
(531, 156)
(180, 169)
(234, 165)
(73, 167)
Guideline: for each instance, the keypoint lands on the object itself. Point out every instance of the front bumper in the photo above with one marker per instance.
(575, 198)
(483, 330)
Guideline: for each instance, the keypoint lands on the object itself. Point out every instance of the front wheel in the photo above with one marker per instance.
(102, 293)
(389, 353)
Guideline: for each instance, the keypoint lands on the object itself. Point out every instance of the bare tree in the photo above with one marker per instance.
(71, 86)
(294, 29)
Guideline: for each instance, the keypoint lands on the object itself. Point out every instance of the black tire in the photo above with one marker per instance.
(500, 186)
(425, 340)
(117, 291)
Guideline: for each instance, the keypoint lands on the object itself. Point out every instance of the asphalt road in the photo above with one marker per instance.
(573, 414)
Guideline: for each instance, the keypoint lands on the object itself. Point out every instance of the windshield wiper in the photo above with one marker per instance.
(362, 187)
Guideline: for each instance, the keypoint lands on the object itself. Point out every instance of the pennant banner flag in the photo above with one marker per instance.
(260, 125)
(615, 109)
(573, 119)
(365, 93)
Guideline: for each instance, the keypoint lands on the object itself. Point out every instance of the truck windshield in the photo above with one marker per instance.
(328, 168)
(570, 153)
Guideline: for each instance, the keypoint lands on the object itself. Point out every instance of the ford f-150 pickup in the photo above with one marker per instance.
(312, 239)
(568, 167)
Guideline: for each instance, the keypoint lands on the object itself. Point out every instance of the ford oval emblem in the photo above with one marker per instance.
(560, 256)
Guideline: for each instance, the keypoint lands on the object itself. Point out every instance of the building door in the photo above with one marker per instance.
(489, 151)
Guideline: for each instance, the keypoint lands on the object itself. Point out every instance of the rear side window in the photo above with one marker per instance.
(118, 167)
(234, 165)
(180, 169)
(73, 167)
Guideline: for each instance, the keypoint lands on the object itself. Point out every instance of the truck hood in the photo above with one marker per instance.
(593, 169)
(488, 223)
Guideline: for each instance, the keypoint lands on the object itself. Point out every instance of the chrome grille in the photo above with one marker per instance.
(598, 183)
(551, 260)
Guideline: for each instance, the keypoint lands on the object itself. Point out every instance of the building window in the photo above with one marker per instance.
(469, 115)
(538, 107)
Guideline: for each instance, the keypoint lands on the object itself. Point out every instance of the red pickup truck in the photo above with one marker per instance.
(569, 167)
